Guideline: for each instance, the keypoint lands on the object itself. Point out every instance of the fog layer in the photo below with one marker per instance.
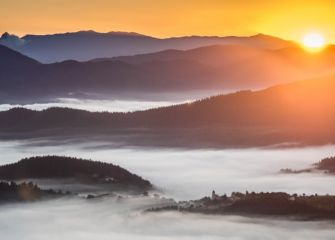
(104, 220)
(96, 105)
(181, 174)
(189, 174)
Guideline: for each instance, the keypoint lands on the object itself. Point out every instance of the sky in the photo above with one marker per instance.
(166, 18)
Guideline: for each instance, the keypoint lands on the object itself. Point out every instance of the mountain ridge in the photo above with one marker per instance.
(301, 112)
(64, 46)
(218, 67)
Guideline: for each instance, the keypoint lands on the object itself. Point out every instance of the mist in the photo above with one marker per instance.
(188, 174)
(82, 219)
(95, 105)
(180, 174)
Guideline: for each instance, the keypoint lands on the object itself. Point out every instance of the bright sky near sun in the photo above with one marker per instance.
(164, 18)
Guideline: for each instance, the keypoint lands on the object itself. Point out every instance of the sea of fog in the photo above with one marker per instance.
(188, 174)
(180, 174)
(97, 105)
(105, 220)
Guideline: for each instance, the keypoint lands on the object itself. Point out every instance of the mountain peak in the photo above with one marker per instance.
(135, 34)
(110, 33)
(260, 35)
(11, 40)
(265, 36)
(88, 33)
(6, 36)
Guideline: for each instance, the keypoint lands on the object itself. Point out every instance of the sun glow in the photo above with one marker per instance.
(314, 42)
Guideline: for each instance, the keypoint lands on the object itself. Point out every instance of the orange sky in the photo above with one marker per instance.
(289, 19)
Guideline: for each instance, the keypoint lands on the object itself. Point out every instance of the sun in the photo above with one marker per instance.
(314, 42)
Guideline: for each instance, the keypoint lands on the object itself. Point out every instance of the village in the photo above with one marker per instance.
(260, 204)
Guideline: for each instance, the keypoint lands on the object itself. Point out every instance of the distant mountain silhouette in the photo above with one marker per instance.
(299, 113)
(56, 167)
(236, 66)
(11, 60)
(219, 68)
(86, 45)
(214, 55)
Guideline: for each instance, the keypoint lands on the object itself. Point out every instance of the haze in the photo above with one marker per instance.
(191, 174)
(182, 98)
(197, 18)
(182, 174)
(95, 105)
(77, 219)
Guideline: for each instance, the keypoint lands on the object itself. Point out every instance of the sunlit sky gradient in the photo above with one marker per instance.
(165, 18)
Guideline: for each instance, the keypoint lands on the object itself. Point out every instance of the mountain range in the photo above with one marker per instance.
(87, 45)
(218, 68)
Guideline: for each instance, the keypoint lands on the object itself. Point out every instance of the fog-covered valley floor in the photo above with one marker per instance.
(167, 120)
(189, 174)
(180, 174)
(79, 219)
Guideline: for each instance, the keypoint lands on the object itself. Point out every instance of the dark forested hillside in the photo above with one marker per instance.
(50, 167)
(301, 112)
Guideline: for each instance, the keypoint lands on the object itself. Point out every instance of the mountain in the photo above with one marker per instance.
(87, 45)
(297, 113)
(56, 167)
(213, 68)
(15, 70)
(230, 61)
(12, 60)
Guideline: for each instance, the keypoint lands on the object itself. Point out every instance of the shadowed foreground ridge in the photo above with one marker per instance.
(50, 167)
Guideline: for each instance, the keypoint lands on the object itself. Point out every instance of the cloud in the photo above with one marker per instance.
(95, 105)
(86, 220)
(183, 174)
(189, 174)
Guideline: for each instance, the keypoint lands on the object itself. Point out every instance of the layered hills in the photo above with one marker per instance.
(297, 113)
(87, 45)
(218, 68)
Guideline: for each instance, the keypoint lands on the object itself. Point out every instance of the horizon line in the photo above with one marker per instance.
(142, 34)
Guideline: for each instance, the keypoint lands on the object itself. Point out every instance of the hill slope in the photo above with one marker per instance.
(301, 113)
(55, 167)
(213, 68)
(10, 60)
(86, 45)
